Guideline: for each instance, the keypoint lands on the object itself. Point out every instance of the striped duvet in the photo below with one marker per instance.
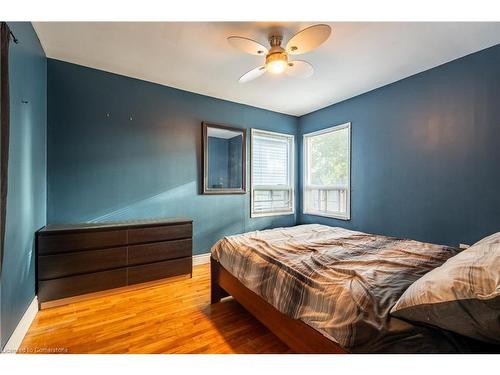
(340, 282)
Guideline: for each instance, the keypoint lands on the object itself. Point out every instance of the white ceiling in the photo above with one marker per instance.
(195, 56)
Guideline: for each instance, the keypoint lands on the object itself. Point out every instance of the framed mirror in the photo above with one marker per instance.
(224, 159)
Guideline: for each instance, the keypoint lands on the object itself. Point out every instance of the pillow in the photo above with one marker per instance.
(462, 295)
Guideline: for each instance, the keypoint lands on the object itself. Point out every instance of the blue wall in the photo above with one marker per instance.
(26, 197)
(425, 153)
(104, 168)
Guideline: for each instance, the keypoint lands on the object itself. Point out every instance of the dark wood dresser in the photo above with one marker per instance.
(78, 259)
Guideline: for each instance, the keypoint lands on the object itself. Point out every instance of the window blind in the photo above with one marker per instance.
(272, 186)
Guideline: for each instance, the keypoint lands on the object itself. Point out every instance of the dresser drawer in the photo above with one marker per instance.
(68, 242)
(60, 265)
(154, 252)
(81, 284)
(159, 233)
(159, 270)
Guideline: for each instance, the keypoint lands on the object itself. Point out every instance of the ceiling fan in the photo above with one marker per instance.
(277, 58)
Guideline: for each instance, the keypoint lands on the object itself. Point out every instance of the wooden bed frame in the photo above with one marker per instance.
(295, 333)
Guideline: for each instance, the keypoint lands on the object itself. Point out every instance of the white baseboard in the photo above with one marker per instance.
(22, 328)
(201, 259)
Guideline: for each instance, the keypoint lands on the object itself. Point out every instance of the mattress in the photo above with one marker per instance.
(340, 282)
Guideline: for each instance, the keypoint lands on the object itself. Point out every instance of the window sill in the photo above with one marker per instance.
(285, 213)
(325, 214)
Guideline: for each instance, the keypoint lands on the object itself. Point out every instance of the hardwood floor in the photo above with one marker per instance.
(173, 317)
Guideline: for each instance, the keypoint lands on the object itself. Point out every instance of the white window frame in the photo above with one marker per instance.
(290, 187)
(306, 162)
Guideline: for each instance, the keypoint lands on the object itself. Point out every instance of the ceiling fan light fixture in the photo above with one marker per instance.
(276, 63)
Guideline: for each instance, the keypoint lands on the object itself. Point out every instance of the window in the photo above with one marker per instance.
(271, 173)
(327, 170)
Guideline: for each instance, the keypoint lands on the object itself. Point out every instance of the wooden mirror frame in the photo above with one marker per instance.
(204, 153)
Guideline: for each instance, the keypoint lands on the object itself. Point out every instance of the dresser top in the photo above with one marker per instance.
(79, 227)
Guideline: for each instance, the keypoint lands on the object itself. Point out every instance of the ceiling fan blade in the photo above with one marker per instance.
(247, 45)
(299, 69)
(252, 74)
(308, 39)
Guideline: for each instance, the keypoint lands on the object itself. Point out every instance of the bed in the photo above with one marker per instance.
(325, 289)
